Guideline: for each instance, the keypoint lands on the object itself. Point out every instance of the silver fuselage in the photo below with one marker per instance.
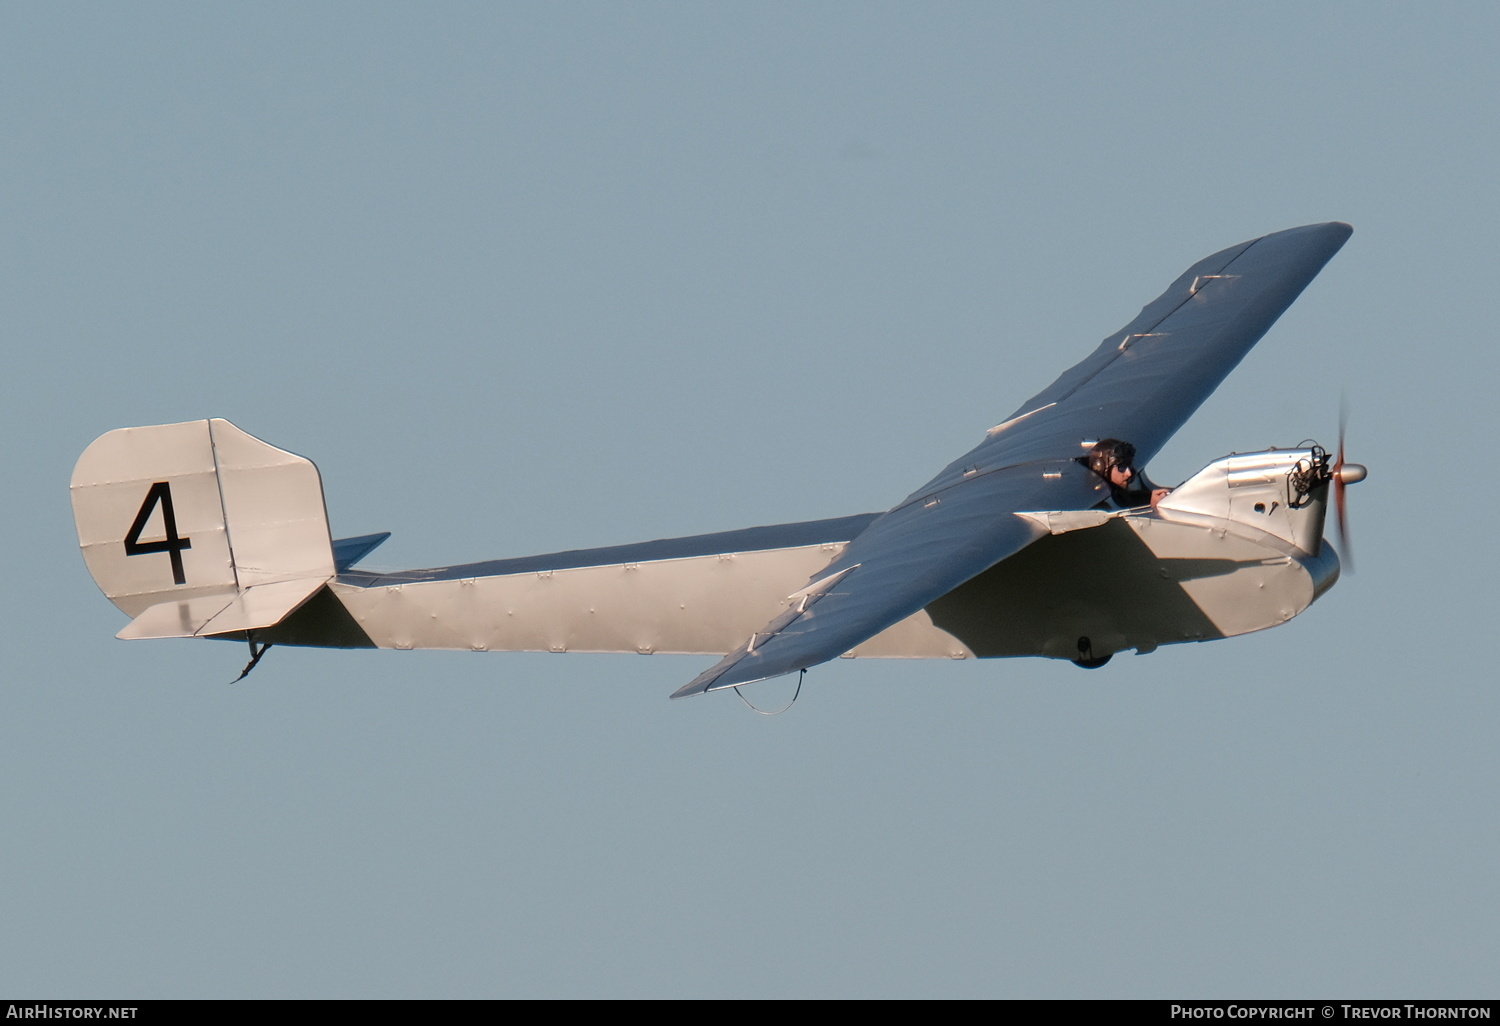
(1234, 549)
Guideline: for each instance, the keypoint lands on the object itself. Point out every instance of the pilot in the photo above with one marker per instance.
(1114, 461)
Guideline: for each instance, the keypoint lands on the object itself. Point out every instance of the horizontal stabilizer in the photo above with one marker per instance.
(348, 551)
(253, 609)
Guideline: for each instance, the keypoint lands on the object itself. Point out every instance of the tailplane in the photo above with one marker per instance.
(200, 529)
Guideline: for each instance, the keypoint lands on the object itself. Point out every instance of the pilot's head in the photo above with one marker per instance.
(1114, 461)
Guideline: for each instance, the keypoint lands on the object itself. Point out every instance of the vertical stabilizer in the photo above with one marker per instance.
(200, 528)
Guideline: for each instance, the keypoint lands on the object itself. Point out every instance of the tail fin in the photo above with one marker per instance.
(199, 528)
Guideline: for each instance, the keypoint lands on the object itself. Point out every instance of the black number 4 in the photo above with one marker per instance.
(161, 492)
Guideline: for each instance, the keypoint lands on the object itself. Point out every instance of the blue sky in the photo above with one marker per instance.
(539, 276)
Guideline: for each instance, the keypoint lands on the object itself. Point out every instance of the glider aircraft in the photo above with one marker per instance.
(1016, 548)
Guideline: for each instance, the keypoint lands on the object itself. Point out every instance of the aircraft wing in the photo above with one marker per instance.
(1140, 385)
(1145, 380)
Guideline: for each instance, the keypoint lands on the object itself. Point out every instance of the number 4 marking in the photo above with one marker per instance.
(161, 492)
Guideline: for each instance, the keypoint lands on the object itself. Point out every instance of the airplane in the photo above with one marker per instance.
(1018, 548)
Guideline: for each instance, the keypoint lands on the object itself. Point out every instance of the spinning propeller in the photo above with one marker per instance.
(1344, 474)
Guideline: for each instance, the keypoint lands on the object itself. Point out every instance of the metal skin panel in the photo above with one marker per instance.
(1136, 583)
(1206, 564)
(1226, 553)
(834, 532)
(1254, 490)
(701, 605)
(1240, 584)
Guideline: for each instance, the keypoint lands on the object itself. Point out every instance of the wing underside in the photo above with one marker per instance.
(1140, 385)
(913, 555)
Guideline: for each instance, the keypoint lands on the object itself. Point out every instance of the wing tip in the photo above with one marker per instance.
(721, 675)
(1334, 231)
(689, 690)
(1342, 229)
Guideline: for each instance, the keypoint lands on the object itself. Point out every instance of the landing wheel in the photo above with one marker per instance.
(1086, 658)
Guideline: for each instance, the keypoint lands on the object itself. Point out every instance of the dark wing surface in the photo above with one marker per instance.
(1140, 385)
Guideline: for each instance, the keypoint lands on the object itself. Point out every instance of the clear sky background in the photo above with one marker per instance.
(540, 276)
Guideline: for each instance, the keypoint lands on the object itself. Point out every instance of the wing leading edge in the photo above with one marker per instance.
(1140, 384)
